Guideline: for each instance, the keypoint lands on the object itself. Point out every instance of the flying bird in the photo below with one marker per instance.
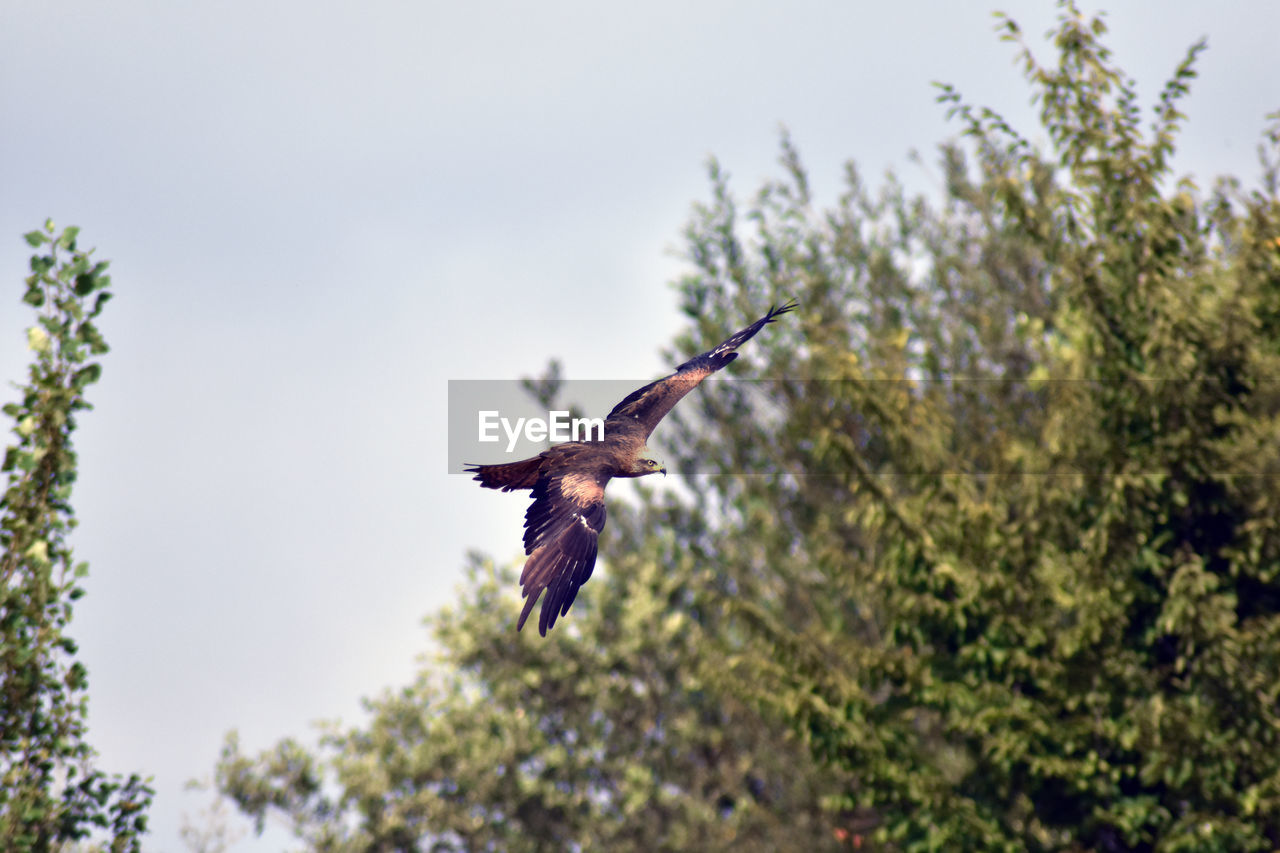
(563, 524)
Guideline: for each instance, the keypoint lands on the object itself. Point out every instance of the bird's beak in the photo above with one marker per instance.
(664, 471)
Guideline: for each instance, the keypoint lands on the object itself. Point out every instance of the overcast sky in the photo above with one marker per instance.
(319, 213)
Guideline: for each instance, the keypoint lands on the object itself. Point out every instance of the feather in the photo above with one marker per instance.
(563, 523)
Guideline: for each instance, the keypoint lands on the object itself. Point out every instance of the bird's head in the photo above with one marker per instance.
(646, 463)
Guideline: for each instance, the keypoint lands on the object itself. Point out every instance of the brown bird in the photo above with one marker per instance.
(563, 524)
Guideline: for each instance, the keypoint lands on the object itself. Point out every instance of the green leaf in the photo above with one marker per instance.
(86, 375)
(100, 302)
(35, 239)
(68, 238)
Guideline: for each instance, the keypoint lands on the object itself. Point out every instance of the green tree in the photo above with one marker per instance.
(998, 547)
(51, 794)
(604, 736)
(1020, 577)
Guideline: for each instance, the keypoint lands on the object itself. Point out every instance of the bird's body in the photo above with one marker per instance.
(563, 523)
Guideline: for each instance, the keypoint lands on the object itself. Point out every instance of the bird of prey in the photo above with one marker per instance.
(564, 521)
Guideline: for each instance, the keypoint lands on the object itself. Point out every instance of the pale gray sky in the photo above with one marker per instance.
(318, 213)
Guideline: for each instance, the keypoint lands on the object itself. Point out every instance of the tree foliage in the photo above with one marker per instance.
(51, 793)
(604, 736)
(999, 547)
(1019, 576)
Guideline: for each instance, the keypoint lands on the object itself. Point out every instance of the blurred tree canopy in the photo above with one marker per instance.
(51, 793)
(989, 562)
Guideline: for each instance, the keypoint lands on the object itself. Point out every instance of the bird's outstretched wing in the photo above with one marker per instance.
(561, 528)
(650, 404)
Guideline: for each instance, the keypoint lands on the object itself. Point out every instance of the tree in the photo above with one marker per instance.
(998, 546)
(604, 736)
(1019, 576)
(51, 793)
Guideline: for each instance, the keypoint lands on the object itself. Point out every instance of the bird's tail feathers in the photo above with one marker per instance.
(508, 476)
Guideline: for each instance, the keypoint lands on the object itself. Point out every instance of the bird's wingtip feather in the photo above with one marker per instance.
(789, 305)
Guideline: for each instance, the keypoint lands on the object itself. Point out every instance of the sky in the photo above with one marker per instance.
(319, 213)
